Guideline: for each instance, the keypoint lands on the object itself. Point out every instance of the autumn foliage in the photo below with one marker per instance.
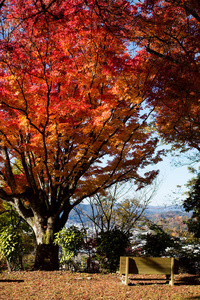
(71, 110)
(168, 33)
(76, 101)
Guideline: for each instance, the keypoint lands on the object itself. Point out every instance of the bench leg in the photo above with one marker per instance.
(127, 270)
(172, 281)
(172, 272)
(168, 278)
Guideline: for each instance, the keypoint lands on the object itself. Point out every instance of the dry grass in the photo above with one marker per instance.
(63, 285)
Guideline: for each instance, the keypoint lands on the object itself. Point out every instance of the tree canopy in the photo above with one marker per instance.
(71, 107)
(168, 33)
(76, 102)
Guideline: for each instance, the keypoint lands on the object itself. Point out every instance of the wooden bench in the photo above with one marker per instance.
(149, 265)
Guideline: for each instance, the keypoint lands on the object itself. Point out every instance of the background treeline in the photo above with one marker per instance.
(102, 230)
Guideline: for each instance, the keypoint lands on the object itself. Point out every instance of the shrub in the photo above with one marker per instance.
(158, 241)
(110, 246)
(70, 240)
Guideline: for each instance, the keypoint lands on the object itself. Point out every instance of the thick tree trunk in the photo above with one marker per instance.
(46, 257)
(46, 252)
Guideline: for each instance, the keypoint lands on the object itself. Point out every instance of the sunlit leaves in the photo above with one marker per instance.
(71, 107)
(168, 32)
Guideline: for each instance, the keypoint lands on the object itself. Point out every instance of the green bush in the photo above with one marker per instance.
(110, 246)
(70, 240)
(158, 241)
(16, 238)
(10, 247)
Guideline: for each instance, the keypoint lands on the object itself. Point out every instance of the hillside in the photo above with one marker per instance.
(152, 212)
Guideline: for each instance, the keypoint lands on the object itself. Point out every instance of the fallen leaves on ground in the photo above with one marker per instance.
(64, 285)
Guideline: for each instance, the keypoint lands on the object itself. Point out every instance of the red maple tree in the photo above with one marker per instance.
(71, 110)
(168, 33)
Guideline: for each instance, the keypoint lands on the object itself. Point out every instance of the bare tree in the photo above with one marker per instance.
(118, 207)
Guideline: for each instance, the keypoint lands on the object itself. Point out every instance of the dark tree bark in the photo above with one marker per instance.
(46, 257)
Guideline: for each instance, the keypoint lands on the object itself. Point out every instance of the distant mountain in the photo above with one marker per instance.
(177, 210)
(74, 214)
(163, 211)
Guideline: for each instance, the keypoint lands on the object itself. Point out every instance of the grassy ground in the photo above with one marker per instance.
(63, 285)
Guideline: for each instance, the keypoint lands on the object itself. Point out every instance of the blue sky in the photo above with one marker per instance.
(170, 176)
(170, 183)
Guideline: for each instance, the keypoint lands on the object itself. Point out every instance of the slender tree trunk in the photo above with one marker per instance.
(21, 263)
(8, 265)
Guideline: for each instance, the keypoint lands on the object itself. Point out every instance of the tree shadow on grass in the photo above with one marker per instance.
(189, 280)
(147, 281)
(193, 298)
(186, 280)
(11, 280)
